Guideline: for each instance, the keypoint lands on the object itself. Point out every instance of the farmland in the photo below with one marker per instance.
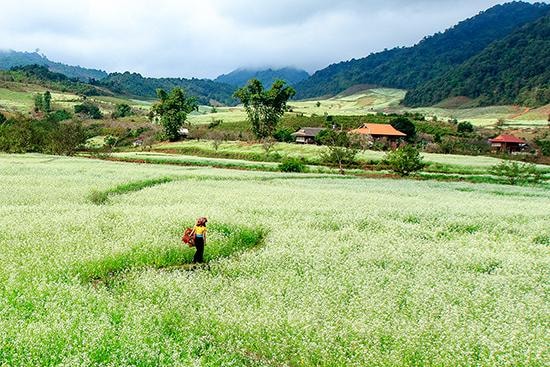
(305, 270)
(386, 100)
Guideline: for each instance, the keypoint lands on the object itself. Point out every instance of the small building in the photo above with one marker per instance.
(379, 131)
(507, 144)
(306, 135)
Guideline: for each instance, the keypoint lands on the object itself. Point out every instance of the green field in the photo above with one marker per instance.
(305, 270)
(18, 97)
(312, 154)
(386, 100)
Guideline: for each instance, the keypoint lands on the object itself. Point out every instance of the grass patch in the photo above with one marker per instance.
(229, 239)
(101, 197)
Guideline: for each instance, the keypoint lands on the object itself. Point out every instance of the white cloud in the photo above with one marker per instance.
(203, 39)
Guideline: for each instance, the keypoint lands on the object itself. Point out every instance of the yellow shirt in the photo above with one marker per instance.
(200, 230)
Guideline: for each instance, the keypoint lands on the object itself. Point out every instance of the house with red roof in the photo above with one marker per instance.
(507, 143)
(379, 131)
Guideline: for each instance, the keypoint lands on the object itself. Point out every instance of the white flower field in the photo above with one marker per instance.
(347, 272)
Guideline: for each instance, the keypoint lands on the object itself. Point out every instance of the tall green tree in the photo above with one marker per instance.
(264, 107)
(47, 102)
(172, 109)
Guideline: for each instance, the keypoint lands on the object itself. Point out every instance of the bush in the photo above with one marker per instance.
(58, 116)
(465, 127)
(404, 160)
(88, 109)
(406, 126)
(544, 146)
(67, 138)
(284, 135)
(517, 172)
(122, 110)
(292, 165)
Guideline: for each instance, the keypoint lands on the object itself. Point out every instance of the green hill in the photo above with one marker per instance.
(10, 59)
(432, 57)
(133, 84)
(514, 70)
(240, 77)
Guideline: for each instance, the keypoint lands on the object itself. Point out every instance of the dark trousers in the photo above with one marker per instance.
(199, 245)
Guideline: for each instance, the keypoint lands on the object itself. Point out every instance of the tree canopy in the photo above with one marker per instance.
(264, 107)
(172, 109)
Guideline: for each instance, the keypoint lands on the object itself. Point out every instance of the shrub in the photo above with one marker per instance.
(122, 110)
(58, 116)
(404, 160)
(292, 165)
(465, 127)
(406, 126)
(516, 172)
(88, 109)
(284, 135)
(543, 144)
(67, 138)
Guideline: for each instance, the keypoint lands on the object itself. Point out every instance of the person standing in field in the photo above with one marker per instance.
(199, 235)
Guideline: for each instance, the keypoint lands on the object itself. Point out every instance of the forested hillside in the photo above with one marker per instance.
(133, 84)
(432, 57)
(41, 75)
(240, 77)
(515, 70)
(10, 59)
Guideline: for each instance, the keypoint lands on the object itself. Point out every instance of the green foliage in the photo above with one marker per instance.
(38, 103)
(3, 118)
(513, 70)
(22, 135)
(43, 103)
(342, 150)
(88, 109)
(543, 144)
(465, 127)
(10, 59)
(47, 102)
(410, 67)
(134, 84)
(39, 74)
(292, 165)
(240, 77)
(122, 110)
(284, 135)
(172, 109)
(67, 138)
(404, 125)
(517, 172)
(58, 116)
(405, 160)
(264, 107)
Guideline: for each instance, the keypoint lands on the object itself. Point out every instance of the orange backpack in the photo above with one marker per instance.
(188, 238)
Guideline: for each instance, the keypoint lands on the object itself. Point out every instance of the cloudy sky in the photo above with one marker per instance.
(205, 38)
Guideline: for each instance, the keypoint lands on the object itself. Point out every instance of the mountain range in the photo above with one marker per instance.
(500, 56)
(240, 77)
(428, 61)
(11, 58)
